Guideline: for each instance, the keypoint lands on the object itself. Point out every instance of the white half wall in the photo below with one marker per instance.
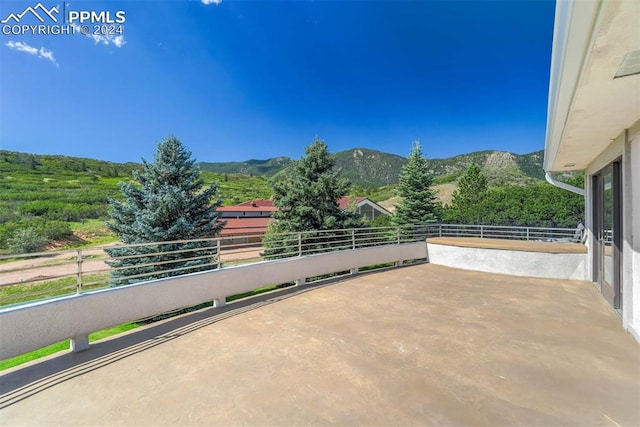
(517, 263)
(31, 326)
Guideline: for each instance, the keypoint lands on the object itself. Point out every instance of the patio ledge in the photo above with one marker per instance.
(511, 245)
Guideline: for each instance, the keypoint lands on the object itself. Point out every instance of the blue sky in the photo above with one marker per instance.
(259, 79)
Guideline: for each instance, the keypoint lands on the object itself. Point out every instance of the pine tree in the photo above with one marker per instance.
(418, 199)
(307, 199)
(164, 203)
(467, 202)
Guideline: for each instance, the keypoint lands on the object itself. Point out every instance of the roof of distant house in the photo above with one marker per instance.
(256, 205)
(245, 226)
(345, 200)
(266, 205)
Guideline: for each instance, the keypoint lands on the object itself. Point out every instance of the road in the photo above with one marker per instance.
(64, 264)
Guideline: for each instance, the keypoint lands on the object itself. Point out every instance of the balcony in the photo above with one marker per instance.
(420, 345)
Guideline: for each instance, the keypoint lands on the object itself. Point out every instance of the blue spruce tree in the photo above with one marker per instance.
(164, 203)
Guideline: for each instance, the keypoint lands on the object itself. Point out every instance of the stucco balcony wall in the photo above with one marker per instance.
(551, 260)
(31, 326)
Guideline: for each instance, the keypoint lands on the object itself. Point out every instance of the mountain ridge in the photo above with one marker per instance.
(372, 168)
(364, 167)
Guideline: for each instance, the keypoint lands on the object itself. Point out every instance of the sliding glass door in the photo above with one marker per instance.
(608, 224)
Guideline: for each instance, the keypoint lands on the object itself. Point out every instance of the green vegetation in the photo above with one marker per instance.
(47, 193)
(253, 293)
(418, 199)
(376, 194)
(499, 167)
(307, 199)
(64, 199)
(446, 179)
(542, 205)
(23, 292)
(237, 188)
(26, 240)
(90, 232)
(538, 205)
(466, 205)
(63, 345)
(165, 202)
(381, 221)
(371, 169)
(267, 167)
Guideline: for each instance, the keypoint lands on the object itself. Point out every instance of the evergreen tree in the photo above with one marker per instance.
(307, 199)
(418, 202)
(467, 202)
(164, 203)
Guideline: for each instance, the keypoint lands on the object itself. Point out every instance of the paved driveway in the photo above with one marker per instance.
(420, 345)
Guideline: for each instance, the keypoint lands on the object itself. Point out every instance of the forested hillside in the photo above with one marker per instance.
(267, 167)
(57, 195)
(369, 168)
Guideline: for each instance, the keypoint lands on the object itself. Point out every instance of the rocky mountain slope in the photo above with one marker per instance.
(371, 168)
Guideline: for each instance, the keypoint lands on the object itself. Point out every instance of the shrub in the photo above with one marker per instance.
(26, 240)
(55, 229)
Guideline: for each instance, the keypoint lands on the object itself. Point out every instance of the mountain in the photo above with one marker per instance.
(500, 167)
(370, 168)
(267, 167)
(53, 164)
(362, 166)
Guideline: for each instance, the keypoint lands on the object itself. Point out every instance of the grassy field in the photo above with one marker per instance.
(91, 232)
(63, 345)
(15, 294)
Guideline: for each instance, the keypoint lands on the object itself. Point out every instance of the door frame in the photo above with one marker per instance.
(612, 292)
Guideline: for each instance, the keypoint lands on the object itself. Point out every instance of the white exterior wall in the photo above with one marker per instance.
(627, 146)
(594, 118)
(631, 230)
(516, 263)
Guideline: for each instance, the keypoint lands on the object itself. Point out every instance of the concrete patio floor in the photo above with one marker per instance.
(419, 345)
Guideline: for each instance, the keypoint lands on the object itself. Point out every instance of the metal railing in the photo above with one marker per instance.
(507, 232)
(28, 277)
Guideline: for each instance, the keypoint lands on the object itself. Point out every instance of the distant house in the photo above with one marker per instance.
(365, 207)
(594, 126)
(257, 208)
(248, 221)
